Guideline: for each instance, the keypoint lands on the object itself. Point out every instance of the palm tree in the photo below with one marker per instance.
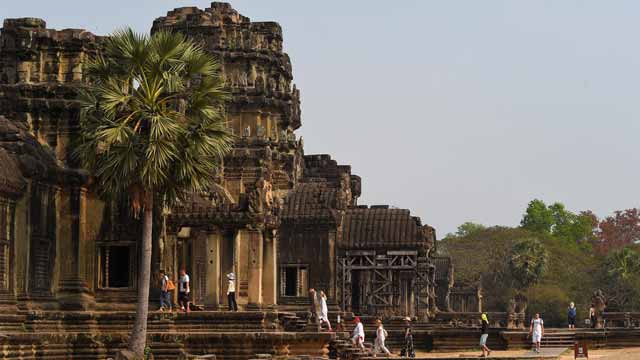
(152, 128)
(527, 262)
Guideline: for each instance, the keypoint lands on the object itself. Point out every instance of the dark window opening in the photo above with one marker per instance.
(291, 281)
(294, 281)
(115, 267)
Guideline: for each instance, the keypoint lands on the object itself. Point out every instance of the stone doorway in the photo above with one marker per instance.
(192, 256)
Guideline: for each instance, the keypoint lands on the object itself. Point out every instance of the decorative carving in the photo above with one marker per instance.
(260, 131)
(261, 198)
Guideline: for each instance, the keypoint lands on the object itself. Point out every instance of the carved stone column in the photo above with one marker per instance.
(270, 271)
(212, 295)
(255, 263)
(241, 266)
(73, 292)
(7, 254)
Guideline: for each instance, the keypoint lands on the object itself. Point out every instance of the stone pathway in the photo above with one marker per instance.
(545, 354)
(610, 354)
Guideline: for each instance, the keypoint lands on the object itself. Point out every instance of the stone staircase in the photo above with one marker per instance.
(342, 348)
(557, 338)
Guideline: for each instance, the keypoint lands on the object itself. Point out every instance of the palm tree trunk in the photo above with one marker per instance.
(138, 338)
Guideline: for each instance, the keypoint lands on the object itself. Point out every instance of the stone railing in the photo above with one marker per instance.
(472, 319)
(621, 319)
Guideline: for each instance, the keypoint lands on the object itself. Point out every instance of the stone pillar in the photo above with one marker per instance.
(332, 292)
(73, 293)
(270, 271)
(7, 254)
(255, 263)
(212, 295)
(241, 266)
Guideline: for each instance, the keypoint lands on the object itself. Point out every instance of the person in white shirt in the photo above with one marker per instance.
(381, 336)
(536, 330)
(324, 310)
(231, 292)
(183, 291)
(357, 337)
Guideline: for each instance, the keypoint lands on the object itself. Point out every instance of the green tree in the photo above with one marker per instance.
(152, 127)
(538, 218)
(468, 228)
(560, 223)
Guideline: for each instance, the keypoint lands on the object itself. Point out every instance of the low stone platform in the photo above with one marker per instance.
(65, 335)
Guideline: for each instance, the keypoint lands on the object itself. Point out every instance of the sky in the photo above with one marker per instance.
(458, 110)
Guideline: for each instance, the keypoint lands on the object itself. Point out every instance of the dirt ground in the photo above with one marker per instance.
(611, 354)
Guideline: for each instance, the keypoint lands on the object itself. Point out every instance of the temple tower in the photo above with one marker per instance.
(265, 163)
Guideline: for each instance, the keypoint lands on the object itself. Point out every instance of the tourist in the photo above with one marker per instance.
(536, 330)
(324, 310)
(485, 334)
(593, 318)
(571, 315)
(166, 287)
(231, 292)
(357, 337)
(408, 340)
(381, 335)
(183, 291)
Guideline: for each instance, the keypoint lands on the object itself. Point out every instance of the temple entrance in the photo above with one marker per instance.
(356, 292)
(191, 255)
(227, 265)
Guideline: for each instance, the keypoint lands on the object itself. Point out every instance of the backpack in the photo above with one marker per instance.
(170, 285)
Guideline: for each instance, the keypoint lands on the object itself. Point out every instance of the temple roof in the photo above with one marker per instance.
(11, 181)
(311, 200)
(22, 156)
(382, 227)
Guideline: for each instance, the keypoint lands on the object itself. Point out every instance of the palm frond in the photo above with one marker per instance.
(152, 115)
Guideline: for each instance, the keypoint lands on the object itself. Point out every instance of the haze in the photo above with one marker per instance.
(458, 110)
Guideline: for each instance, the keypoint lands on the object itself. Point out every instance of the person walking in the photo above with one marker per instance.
(166, 286)
(231, 292)
(485, 334)
(324, 310)
(357, 337)
(593, 318)
(408, 340)
(571, 315)
(381, 336)
(184, 290)
(536, 330)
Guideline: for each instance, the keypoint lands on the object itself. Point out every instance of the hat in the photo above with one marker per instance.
(231, 276)
(407, 318)
(484, 317)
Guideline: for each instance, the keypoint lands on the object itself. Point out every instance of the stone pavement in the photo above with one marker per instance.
(545, 354)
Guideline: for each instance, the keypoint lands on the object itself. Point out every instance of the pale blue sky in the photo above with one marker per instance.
(458, 110)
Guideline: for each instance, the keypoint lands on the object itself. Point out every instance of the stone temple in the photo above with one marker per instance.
(282, 220)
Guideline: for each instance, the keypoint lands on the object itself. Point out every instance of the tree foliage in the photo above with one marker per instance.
(621, 279)
(152, 118)
(538, 218)
(557, 221)
(469, 228)
(620, 230)
(527, 262)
